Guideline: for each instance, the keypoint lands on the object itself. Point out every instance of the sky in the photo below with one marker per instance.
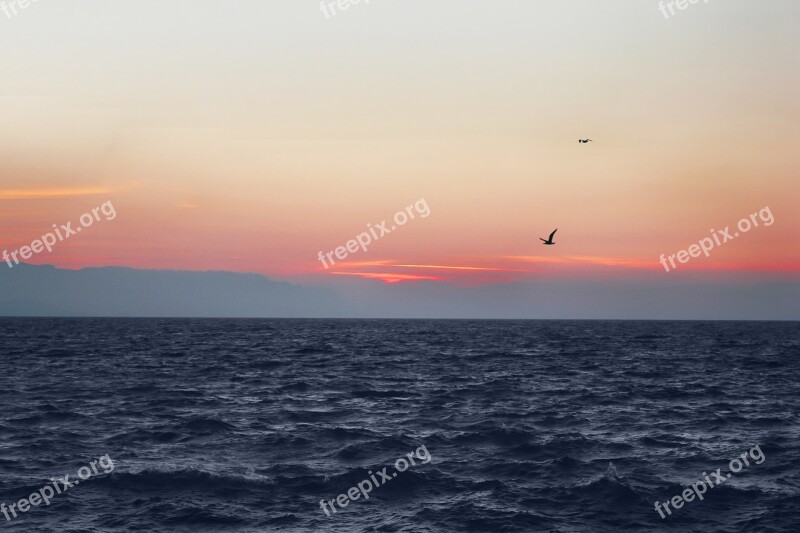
(249, 136)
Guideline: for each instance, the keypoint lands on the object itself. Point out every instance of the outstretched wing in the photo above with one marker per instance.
(551, 235)
(542, 239)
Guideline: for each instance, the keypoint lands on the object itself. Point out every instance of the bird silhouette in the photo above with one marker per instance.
(549, 241)
(584, 141)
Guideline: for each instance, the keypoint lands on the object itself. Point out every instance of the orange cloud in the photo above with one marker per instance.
(453, 271)
(441, 267)
(387, 263)
(26, 194)
(587, 260)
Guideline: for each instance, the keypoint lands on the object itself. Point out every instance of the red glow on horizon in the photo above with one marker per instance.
(389, 278)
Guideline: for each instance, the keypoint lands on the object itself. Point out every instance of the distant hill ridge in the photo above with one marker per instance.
(28, 290)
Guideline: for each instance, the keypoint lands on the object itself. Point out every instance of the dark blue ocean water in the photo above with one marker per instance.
(245, 425)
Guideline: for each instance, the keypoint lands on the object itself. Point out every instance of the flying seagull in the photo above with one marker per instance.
(584, 141)
(549, 240)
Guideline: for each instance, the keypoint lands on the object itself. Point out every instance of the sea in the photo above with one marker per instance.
(424, 426)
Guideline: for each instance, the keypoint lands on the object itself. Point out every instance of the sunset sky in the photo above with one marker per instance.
(250, 135)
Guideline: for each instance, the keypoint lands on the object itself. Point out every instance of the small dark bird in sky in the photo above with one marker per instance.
(584, 141)
(549, 240)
